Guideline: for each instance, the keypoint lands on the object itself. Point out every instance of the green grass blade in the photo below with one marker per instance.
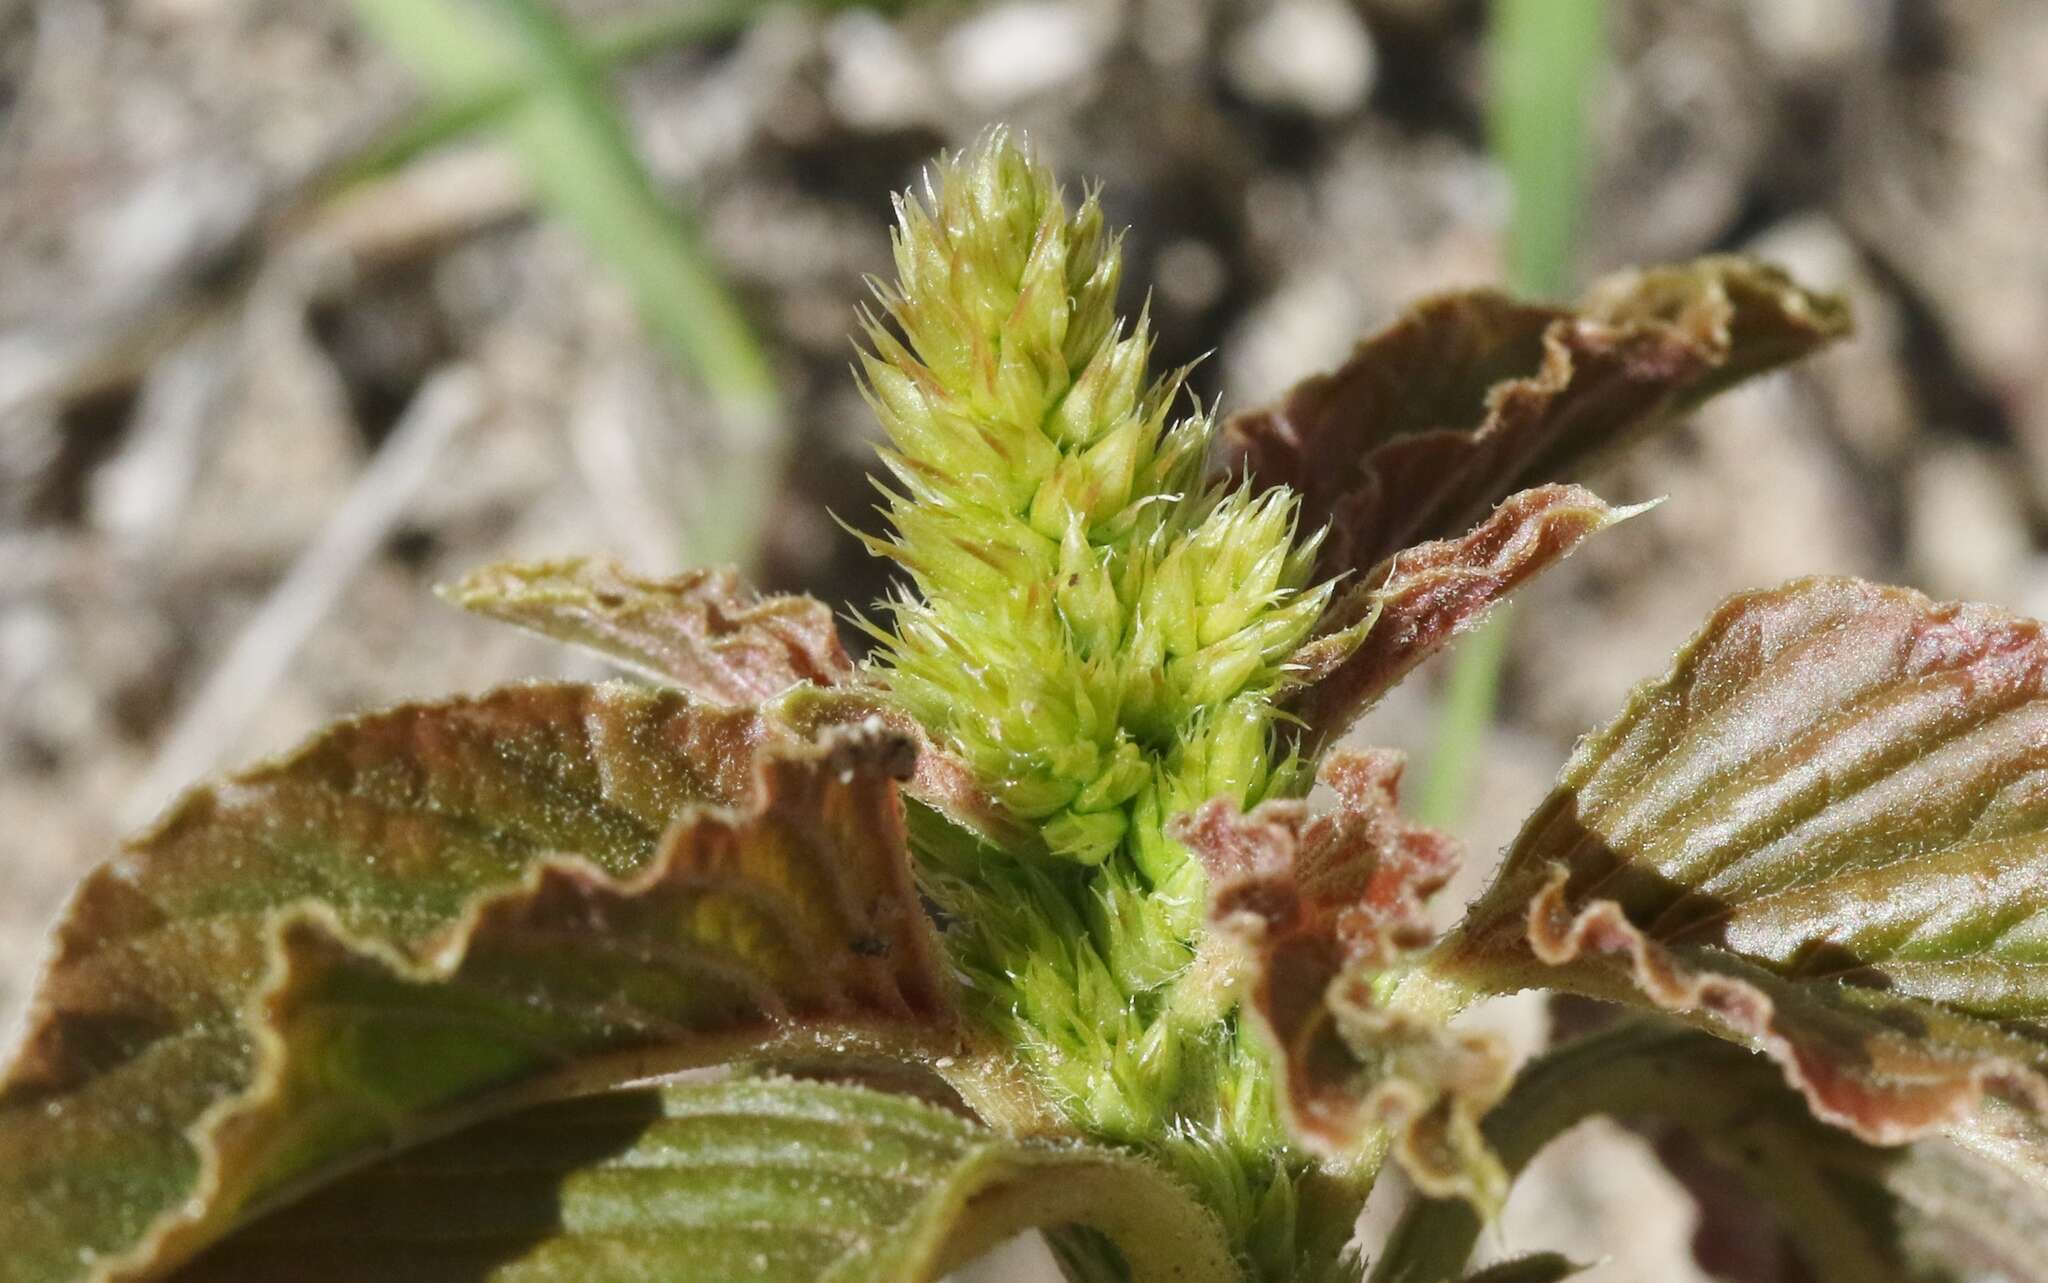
(1545, 54)
(610, 44)
(1466, 716)
(580, 158)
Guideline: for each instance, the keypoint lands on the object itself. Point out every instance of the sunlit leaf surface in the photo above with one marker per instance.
(707, 633)
(1826, 832)
(437, 911)
(703, 631)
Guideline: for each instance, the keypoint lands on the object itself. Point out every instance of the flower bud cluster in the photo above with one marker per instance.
(1084, 614)
(1098, 636)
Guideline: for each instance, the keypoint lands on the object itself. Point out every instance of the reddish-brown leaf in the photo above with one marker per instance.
(1323, 906)
(704, 631)
(1467, 398)
(712, 636)
(1415, 602)
(1825, 832)
(436, 912)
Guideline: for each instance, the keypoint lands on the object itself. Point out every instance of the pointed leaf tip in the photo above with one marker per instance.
(1415, 602)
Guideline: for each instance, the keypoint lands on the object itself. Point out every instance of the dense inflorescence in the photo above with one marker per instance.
(1094, 629)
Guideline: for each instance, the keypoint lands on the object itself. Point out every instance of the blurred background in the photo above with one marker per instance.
(306, 305)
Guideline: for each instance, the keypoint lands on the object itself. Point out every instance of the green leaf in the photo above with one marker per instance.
(580, 157)
(606, 43)
(435, 913)
(1323, 908)
(1825, 832)
(1544, 61)
(1928, 1212)
(763, 1180)
(1468, 398)
(1412, 605)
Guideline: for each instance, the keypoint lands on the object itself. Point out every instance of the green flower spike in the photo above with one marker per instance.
(1089, 619)
(1099, 634)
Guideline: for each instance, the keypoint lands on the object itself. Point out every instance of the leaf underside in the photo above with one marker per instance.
(432, 913)
(704, 631)
(758, 1180)
(1322, 905)
(1824, 832)
(1413, 604)
(1470, 397)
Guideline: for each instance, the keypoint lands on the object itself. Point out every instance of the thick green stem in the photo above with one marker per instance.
(1602, 1073)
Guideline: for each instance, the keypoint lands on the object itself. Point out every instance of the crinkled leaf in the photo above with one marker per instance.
(761, 1180)
(1927, 1212)
(1324, 906)
(434, 912)
(1467, 398)
(709, 634)
(1826, 832)
(1416, 601)
(704, 631)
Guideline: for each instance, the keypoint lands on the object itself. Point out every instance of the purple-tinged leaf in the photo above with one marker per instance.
(1468, 398)
(704, 631)
(1323, 906)
(1824, 833)
(1416, 601)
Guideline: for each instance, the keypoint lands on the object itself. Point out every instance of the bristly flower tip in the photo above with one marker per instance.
(1087, 616)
